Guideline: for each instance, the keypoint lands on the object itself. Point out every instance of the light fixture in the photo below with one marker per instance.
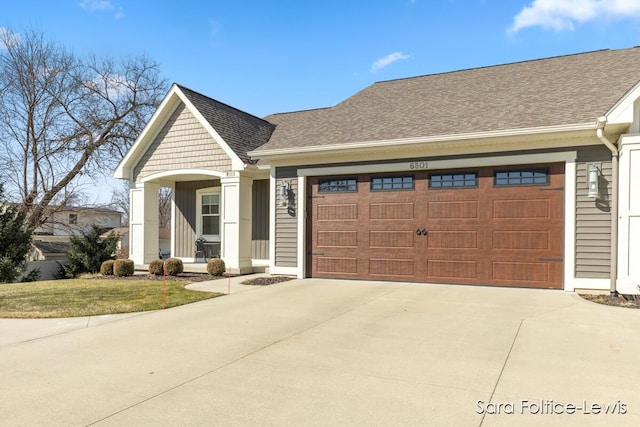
(285, 187)
(593, 178)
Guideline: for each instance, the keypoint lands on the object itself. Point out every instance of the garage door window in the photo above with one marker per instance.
(521, 177)
(390, 183)
(343, 185)
(454, 180)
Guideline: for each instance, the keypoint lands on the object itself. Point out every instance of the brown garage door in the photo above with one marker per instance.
(496, 226)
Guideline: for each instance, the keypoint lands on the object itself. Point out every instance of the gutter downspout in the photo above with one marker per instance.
(615, 154)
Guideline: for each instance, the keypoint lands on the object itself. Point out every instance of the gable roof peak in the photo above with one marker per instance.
(240, 131)
(186, 90)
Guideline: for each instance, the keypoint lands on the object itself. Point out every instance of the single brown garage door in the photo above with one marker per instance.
(490, 226)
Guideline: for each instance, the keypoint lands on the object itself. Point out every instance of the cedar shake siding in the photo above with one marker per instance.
(260, 218)
(182, 144)
(593, 217)
(185, 221)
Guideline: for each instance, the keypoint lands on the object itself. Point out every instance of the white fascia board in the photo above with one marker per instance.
(124, 170)
(432, 141)
(622, 112)
(156, 122)
(236, 163)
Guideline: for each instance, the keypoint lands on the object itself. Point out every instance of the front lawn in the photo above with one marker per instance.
(92, 297)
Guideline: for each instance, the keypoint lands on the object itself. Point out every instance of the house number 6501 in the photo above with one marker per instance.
(418, 165)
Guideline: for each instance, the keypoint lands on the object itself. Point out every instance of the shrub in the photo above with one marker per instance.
(87, 253)
(123, 267)
(156, 267)
(216, 267)
(106, 269)
(173, 266)
(15, 240)
(32, 276)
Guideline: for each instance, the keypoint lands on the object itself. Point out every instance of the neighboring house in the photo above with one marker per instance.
(53, 249)
(511, 175)
(71, 220)
(51, 240)
(47, 253)
(123, 239)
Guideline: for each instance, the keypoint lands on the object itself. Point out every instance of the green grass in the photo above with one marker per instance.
(91, 297)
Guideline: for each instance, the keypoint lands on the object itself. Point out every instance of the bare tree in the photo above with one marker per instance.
(120, 201)
(164, 207)
(63, 117)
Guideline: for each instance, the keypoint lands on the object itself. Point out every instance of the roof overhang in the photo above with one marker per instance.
(468, 143)
(624, 111)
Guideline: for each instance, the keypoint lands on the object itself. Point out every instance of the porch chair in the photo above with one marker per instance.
(200, 250)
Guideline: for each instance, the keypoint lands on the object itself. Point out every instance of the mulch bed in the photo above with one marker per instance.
(266, 280)
(627, 301)
(198, 277)
(183, 277)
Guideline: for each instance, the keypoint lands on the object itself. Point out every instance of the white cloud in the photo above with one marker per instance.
(93, 5)
(112, 85)
(7, 38)
(560, 15)
(387, 60)
(101, 6)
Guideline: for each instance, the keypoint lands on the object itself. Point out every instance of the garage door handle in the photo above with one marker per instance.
(422, 232)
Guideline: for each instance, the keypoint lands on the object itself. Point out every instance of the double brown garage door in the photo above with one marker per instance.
(491, 226)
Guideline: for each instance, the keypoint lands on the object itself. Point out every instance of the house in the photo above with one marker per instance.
(74, 220)
(511, 175)
(50, 241)
(47, 253)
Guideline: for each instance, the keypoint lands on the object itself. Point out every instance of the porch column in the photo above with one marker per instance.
(629, 216)
(236, 223)
(143, 223)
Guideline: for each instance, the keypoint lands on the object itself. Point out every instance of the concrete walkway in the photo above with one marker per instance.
(330, 352)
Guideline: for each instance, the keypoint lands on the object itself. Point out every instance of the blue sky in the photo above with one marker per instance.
(275, 56)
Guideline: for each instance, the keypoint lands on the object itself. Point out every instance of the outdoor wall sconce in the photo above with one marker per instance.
(593, 181)
(285, 189)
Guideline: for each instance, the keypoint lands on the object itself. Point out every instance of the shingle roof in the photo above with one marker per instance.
(241, 131)
(545, 92)
(52, 247)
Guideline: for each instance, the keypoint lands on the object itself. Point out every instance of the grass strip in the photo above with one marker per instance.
(91, 297)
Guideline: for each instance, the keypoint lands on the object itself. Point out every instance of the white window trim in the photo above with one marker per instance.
(199, 193)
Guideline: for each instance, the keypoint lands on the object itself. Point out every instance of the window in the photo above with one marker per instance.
(208, 214)
(343, 185)
(73, 219)
(454, 180)
(521, 177)
(392, 183)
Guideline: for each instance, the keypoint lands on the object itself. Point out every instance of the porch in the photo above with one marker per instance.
(211, 216)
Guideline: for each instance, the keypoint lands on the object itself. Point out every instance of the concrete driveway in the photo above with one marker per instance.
(330, 352)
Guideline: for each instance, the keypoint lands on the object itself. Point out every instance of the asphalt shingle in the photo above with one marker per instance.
(241, 131)
(545, 92)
